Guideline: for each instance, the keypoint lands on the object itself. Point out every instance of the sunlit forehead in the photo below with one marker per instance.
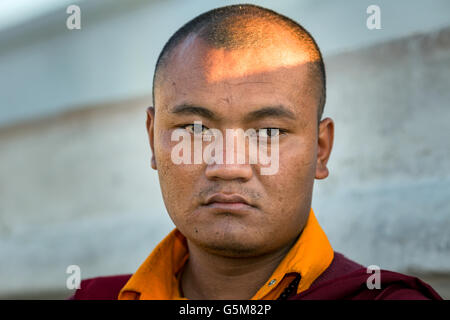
(275, 50)
(223, 64)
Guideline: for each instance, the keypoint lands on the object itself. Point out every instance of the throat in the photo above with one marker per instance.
(206, 276)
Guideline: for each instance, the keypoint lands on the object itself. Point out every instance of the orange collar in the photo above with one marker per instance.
(157, 277)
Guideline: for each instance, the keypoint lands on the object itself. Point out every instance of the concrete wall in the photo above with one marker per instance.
(77, 187)
(386, 200)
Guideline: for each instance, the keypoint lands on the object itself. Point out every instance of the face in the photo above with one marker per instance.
(231, 209)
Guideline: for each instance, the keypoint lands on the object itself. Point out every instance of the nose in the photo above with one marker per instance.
(243, 172)
(231, 168)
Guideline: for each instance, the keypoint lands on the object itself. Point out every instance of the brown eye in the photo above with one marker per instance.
(268, 132)
(196, 128)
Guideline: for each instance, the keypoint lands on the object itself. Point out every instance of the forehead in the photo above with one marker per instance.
(199, 73)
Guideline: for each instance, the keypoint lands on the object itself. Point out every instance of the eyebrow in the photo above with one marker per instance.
(271, 112)
(266, 112)
(188, 109)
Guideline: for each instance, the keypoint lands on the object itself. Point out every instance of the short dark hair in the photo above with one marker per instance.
(220, 28)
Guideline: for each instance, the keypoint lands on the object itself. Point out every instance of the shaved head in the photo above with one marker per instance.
(240, 27)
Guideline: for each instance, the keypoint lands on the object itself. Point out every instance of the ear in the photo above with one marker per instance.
(324, 146)
(150, 130)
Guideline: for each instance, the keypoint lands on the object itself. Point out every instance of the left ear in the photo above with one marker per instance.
(324, 146)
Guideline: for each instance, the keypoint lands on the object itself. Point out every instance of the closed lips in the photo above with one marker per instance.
(224, 198)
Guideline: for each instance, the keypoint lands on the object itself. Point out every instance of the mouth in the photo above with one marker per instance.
(228, 202)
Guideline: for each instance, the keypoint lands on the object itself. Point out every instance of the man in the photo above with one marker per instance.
(240, 233)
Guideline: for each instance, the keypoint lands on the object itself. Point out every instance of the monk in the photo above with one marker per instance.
(240, 233)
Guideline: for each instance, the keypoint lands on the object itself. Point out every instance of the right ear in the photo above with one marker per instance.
(150, 130)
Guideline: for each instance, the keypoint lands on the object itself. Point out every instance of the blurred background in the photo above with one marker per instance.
(76, 186)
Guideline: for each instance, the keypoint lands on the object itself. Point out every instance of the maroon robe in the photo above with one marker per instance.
(344, 279)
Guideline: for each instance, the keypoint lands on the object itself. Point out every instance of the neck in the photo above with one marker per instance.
(212, 276)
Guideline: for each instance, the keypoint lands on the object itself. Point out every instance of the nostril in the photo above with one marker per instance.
(241, 172)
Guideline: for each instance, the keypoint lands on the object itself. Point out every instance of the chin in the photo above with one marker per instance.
(232, 250)
(230, 243)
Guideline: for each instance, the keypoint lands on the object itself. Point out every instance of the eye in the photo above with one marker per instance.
(269, 132)
(196, 128)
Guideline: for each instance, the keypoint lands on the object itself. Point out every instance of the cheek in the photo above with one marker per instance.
(162, 156)
(178, 181)
(297, 163)
(291, 188)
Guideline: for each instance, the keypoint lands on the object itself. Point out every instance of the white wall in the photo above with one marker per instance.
(386, 200)
(77, 189)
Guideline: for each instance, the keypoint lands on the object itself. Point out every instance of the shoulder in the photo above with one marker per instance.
(340, 266)
(346, 279)
(101, 288)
